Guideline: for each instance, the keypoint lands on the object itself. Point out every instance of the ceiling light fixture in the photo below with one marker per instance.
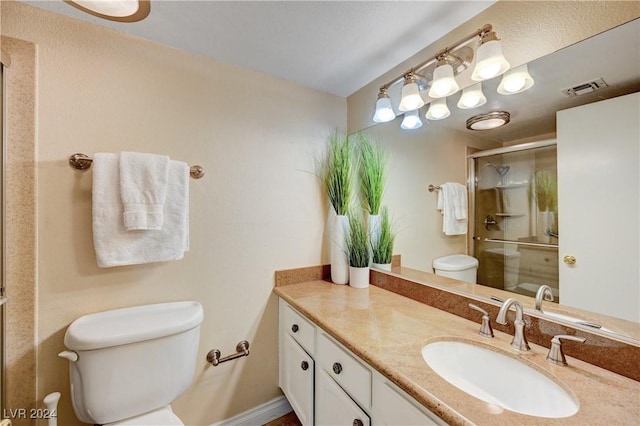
(411, 120)
(472, 97)
(515, 81)
(114, 10)
(445, 65)
(489, 120)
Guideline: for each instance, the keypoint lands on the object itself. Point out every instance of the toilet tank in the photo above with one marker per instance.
(458, 266)
(132, 360)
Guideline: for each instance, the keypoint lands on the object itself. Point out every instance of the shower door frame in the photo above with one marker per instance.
(5, 62)
(472, 182)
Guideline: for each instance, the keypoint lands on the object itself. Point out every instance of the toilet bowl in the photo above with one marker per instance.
(458, 266)
(128, 365)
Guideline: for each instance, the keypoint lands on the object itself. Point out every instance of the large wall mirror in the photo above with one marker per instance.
(603, 71)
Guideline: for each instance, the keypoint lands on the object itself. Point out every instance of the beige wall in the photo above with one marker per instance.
(258, 208)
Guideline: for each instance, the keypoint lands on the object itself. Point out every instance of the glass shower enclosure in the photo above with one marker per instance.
(514, 207)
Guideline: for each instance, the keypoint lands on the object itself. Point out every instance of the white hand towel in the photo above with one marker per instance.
(115, 246)
(452, 202)
(143, 189)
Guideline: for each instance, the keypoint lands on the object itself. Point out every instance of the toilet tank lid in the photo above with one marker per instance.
(455, 262)
(127, 325)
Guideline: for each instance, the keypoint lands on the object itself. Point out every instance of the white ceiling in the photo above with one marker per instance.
(333, 46)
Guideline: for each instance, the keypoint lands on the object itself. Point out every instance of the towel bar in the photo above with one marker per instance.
(82, 162)
(434, 188)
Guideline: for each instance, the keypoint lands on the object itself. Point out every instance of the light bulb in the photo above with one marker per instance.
(472, 97)
(490, 60)
(515, 81)
(411, 120)
(438, 109)
(384, 112)
(411, 98)
(444, 84)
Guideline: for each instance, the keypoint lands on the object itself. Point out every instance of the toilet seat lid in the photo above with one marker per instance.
(161, 417)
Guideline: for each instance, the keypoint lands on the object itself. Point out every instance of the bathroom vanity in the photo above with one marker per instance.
(319, 375)
(354, 356)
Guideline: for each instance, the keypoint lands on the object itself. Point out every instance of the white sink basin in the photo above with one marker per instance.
(499, 379)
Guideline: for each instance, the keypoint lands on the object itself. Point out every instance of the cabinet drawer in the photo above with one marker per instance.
(298, 327)
(333, 405)
(347, 371)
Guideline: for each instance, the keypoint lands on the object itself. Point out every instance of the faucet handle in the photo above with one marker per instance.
(485, 328)
(556, 355)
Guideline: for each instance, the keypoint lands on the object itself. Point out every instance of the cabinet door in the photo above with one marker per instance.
(333, 405)
(297, 371)
(599, 206)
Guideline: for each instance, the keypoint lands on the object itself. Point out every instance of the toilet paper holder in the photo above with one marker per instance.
(242, 349)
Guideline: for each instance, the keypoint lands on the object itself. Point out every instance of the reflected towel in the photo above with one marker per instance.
(452, 202)
(143, 189)
(115, 246)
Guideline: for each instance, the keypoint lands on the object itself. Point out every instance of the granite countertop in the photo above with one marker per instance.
(388, 331)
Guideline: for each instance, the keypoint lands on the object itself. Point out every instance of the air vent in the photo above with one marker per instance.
(584, 88)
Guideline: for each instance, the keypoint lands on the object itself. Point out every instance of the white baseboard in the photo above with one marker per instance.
(259, 415)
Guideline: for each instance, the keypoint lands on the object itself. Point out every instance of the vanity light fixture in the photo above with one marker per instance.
(489, 120)
(411, 120)
(472, 97)
(445, 65)
(411, 99)
(114, 10)
(444, 84)
(438, 109)
(515, 81)
(384, 111)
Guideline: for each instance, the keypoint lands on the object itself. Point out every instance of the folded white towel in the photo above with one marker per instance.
(115, 246)
(143, 189)
(452, 202)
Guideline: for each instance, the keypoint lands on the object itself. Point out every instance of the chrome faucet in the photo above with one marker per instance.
(544, 292)
(519, 341)
(556, 355)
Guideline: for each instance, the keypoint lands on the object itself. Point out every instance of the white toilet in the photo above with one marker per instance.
(128, 365)
(458, 266)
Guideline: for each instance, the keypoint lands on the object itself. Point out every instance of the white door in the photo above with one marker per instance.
(598, 206)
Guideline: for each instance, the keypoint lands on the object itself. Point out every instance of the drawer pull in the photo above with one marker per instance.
(337, 368)
(304, 365)
(295, 328)
(357, 422)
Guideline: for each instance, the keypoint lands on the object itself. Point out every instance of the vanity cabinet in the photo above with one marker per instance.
(326, 384)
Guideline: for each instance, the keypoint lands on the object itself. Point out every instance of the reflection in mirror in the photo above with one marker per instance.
(507, 184)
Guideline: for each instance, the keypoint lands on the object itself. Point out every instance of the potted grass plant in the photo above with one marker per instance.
(546, 194)
(382, 248)
(372, 176)
(358, 251)
(337, 178)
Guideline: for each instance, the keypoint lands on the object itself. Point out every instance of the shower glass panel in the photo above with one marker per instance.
(515, 219)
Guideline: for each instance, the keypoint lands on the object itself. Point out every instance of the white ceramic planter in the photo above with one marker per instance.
(382, 266)
(338, 231)
(359, 277)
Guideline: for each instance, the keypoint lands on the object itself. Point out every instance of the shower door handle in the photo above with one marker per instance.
(489, 221)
